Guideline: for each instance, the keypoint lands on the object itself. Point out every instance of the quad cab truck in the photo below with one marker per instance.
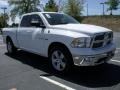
(62, 39)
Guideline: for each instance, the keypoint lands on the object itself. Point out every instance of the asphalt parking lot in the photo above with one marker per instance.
(26, 71)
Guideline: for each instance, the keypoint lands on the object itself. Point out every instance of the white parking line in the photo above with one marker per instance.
(118, 48)
(116, 52)
(13, 89)
(115, 61)
(117, 37)
(57, 83)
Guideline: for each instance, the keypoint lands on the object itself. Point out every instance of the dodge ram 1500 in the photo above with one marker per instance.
(61, 38)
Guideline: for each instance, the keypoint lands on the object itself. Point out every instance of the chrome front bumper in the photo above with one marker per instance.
(93, 60)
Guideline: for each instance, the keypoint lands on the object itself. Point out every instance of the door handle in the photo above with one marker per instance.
(28, 31)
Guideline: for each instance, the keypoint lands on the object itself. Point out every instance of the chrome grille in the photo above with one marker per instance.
(102, 39)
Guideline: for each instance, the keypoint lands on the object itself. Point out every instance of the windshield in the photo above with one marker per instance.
(56, 19)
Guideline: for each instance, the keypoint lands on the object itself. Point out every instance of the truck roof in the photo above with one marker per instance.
(40, 13)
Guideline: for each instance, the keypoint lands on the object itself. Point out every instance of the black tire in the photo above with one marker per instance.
(67, 59)
(11, 49)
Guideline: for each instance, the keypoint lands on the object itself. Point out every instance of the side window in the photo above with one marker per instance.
(37, 18)
(25, 21)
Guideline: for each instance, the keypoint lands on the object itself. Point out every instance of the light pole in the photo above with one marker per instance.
(59, 5)
(87, 10)
(4, 9)
(103, 4)
(41, 7)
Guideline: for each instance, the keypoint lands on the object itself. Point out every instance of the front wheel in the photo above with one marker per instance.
(60, 59)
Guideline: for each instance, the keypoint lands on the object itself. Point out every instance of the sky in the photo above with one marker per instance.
(94, 7)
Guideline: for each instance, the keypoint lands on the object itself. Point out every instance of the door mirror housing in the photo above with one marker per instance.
(43, 26)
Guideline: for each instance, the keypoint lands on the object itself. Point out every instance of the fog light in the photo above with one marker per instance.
(87, 59)
(76, 58)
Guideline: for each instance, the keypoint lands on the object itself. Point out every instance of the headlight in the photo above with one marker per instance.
(79, 42)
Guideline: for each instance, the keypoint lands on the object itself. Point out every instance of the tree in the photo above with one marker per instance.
(51, 6)
(3, 20)
(20, 7)
(74, 7)
(113, 5)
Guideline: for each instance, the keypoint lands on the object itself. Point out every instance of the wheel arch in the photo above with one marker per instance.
(59, 44)
(8, 38)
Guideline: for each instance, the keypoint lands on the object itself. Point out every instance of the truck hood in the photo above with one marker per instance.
(82, 28)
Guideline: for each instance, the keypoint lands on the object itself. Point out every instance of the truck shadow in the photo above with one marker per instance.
(99, 76)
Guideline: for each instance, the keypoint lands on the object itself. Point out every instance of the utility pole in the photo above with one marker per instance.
(87, 10)
(59, 5)
(41, 7)
(4, 9)
(103, 4)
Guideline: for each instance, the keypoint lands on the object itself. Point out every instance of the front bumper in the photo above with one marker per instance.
(96, 57)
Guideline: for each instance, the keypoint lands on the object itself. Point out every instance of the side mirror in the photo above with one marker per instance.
(43, 26)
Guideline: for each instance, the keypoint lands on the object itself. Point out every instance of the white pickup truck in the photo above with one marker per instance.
(61, 38)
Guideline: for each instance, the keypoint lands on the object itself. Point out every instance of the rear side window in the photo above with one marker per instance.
(25, 21)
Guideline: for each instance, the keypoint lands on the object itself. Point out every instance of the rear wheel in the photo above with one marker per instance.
(10, 47)
(60, 59)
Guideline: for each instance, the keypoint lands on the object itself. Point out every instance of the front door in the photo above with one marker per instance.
(31, 37)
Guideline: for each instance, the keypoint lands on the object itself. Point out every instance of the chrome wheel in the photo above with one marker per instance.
(58, 60)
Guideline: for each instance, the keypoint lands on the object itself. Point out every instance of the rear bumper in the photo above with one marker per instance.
(90, 57)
